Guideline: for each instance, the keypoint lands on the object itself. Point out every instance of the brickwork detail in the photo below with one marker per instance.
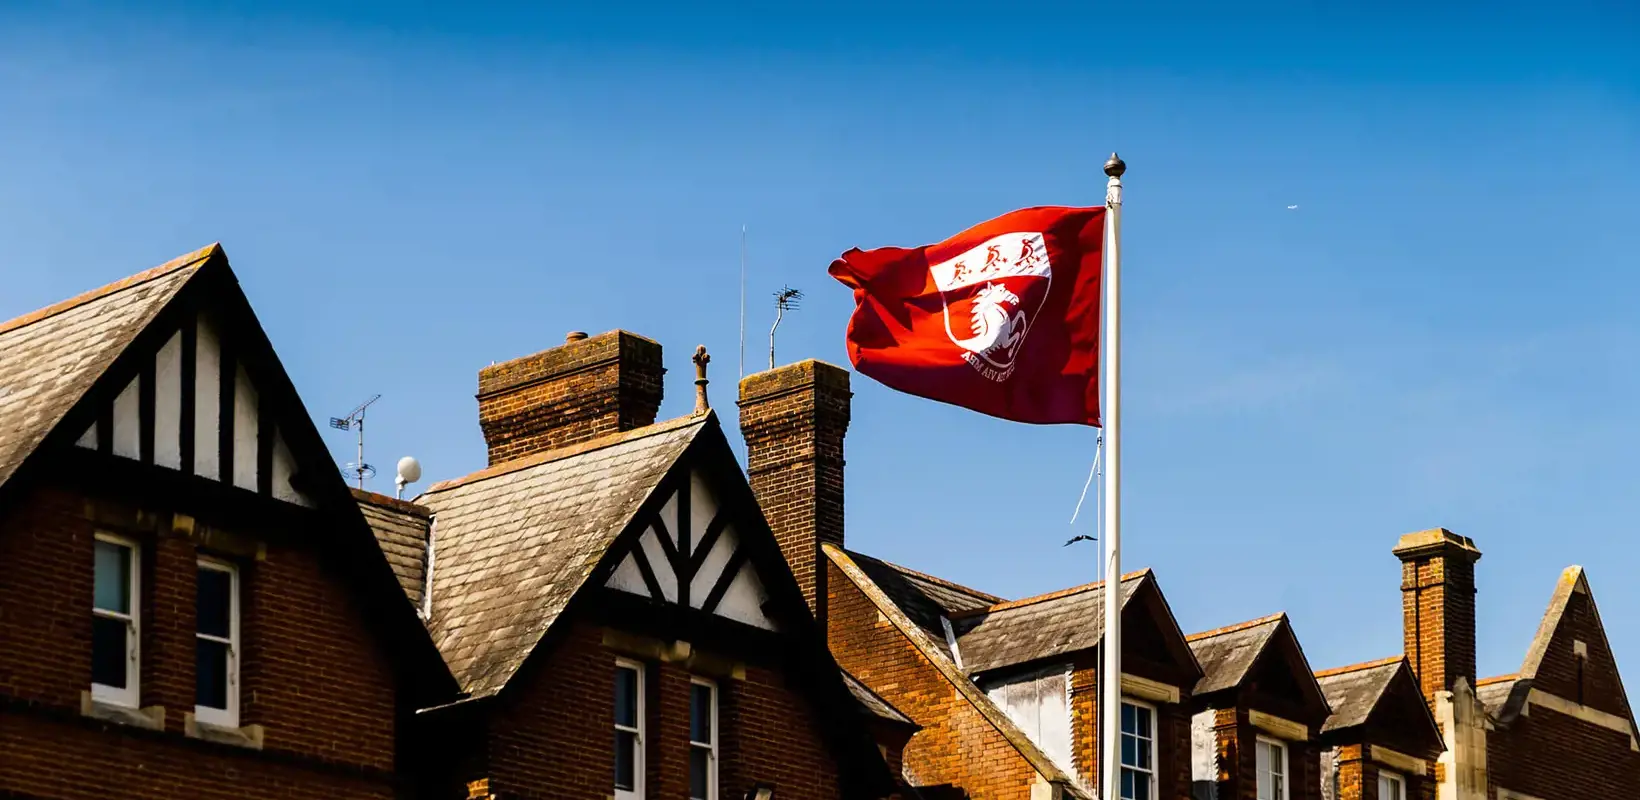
(1438, 607)
(552, 738)
(957, 750)
(312, 675)
(794, 420)
(577, 391)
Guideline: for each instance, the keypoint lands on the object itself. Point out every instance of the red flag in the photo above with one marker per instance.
(1002, 318)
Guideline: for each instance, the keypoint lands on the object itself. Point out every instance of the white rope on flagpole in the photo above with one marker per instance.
(1099, 448)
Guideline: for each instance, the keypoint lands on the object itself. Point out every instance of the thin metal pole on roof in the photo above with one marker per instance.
(1110, 691)
(743, 301)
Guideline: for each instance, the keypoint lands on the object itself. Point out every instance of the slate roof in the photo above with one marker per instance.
(923, 598)
(1494, 693)
(1226, 654)
(401, 530)
(515, 542)
(1354, 691)
(51, 357)
(1066, 621)
(873, 703)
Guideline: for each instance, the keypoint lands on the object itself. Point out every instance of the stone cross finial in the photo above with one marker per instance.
(701, 359)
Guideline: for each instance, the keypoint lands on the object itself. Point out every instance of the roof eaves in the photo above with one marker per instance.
(952, 585)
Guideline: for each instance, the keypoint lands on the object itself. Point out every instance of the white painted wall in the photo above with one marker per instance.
(1204, 757)
(207, 415)
(664, 574)
(1039, 703)
(128, 422)
(744, 600)
(628, 578)
(244, 430)
(168, 404)
(707, 576)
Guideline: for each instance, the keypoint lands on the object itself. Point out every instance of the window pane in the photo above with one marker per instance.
(1130, 751)
(210, 674)
(1278, 789)
(1128, 718)
(626, 697)
(108, 655)
(626, 759)
(700, 772)
(1127, 784)
(113, 582)
(213, 604)
(1278, 758)
(700, 714)
(1143, 716)
(1141, 787)
(1144, 755)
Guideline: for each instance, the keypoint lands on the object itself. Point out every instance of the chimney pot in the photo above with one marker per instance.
(574, 336)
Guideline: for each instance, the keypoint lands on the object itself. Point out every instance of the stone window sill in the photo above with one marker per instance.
(150, 718)
(249, 736)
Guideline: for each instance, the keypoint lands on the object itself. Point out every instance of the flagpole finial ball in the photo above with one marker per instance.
(1115, 166)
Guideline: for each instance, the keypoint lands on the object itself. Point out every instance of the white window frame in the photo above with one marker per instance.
(228, 717)
(1150, 774)
(712, 749)
(637, 790)
(1386, 778)
(131, 693)
(1286, 766)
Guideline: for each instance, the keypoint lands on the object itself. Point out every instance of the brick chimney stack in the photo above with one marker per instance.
(582, 389)
(1438, 607)
(794, 419)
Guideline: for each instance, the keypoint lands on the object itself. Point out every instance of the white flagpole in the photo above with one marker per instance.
(1110, 348)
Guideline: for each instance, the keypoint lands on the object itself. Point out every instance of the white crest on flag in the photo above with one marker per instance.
(995, 290)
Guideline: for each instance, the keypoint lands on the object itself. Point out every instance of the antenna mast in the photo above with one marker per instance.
(743, 301)
(357, 470)
(786, 299)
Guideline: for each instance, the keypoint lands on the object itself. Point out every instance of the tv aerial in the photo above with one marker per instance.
(787, 299)
(358, 470)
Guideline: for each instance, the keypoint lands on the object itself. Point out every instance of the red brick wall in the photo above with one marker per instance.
(794, 420)
(1558, 757)
(1438, 608)
(552, 738)
(1237, 741)
(957, 745)
(577, 391)
(1172, 745)
(1358, 777)
(311, 674)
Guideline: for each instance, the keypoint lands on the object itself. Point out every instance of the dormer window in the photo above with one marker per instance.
(1391, 786)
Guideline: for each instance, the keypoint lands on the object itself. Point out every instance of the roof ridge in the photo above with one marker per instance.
(1010, 605)
(155, 273)
(1327, 673)
(395, 503)
(561, 453)
(1513, 676)
(968, 590)
(1240, 626)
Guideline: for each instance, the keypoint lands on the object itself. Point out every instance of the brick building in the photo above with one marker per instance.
(193, 603)
(1005, 692)
(190, 602)
(612, 609)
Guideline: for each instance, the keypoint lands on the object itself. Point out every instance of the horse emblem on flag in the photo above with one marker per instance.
(991, 295)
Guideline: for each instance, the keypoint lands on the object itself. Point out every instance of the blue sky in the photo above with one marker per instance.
(1443, 332)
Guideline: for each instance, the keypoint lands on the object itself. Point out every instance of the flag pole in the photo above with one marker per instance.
(1110, 692)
